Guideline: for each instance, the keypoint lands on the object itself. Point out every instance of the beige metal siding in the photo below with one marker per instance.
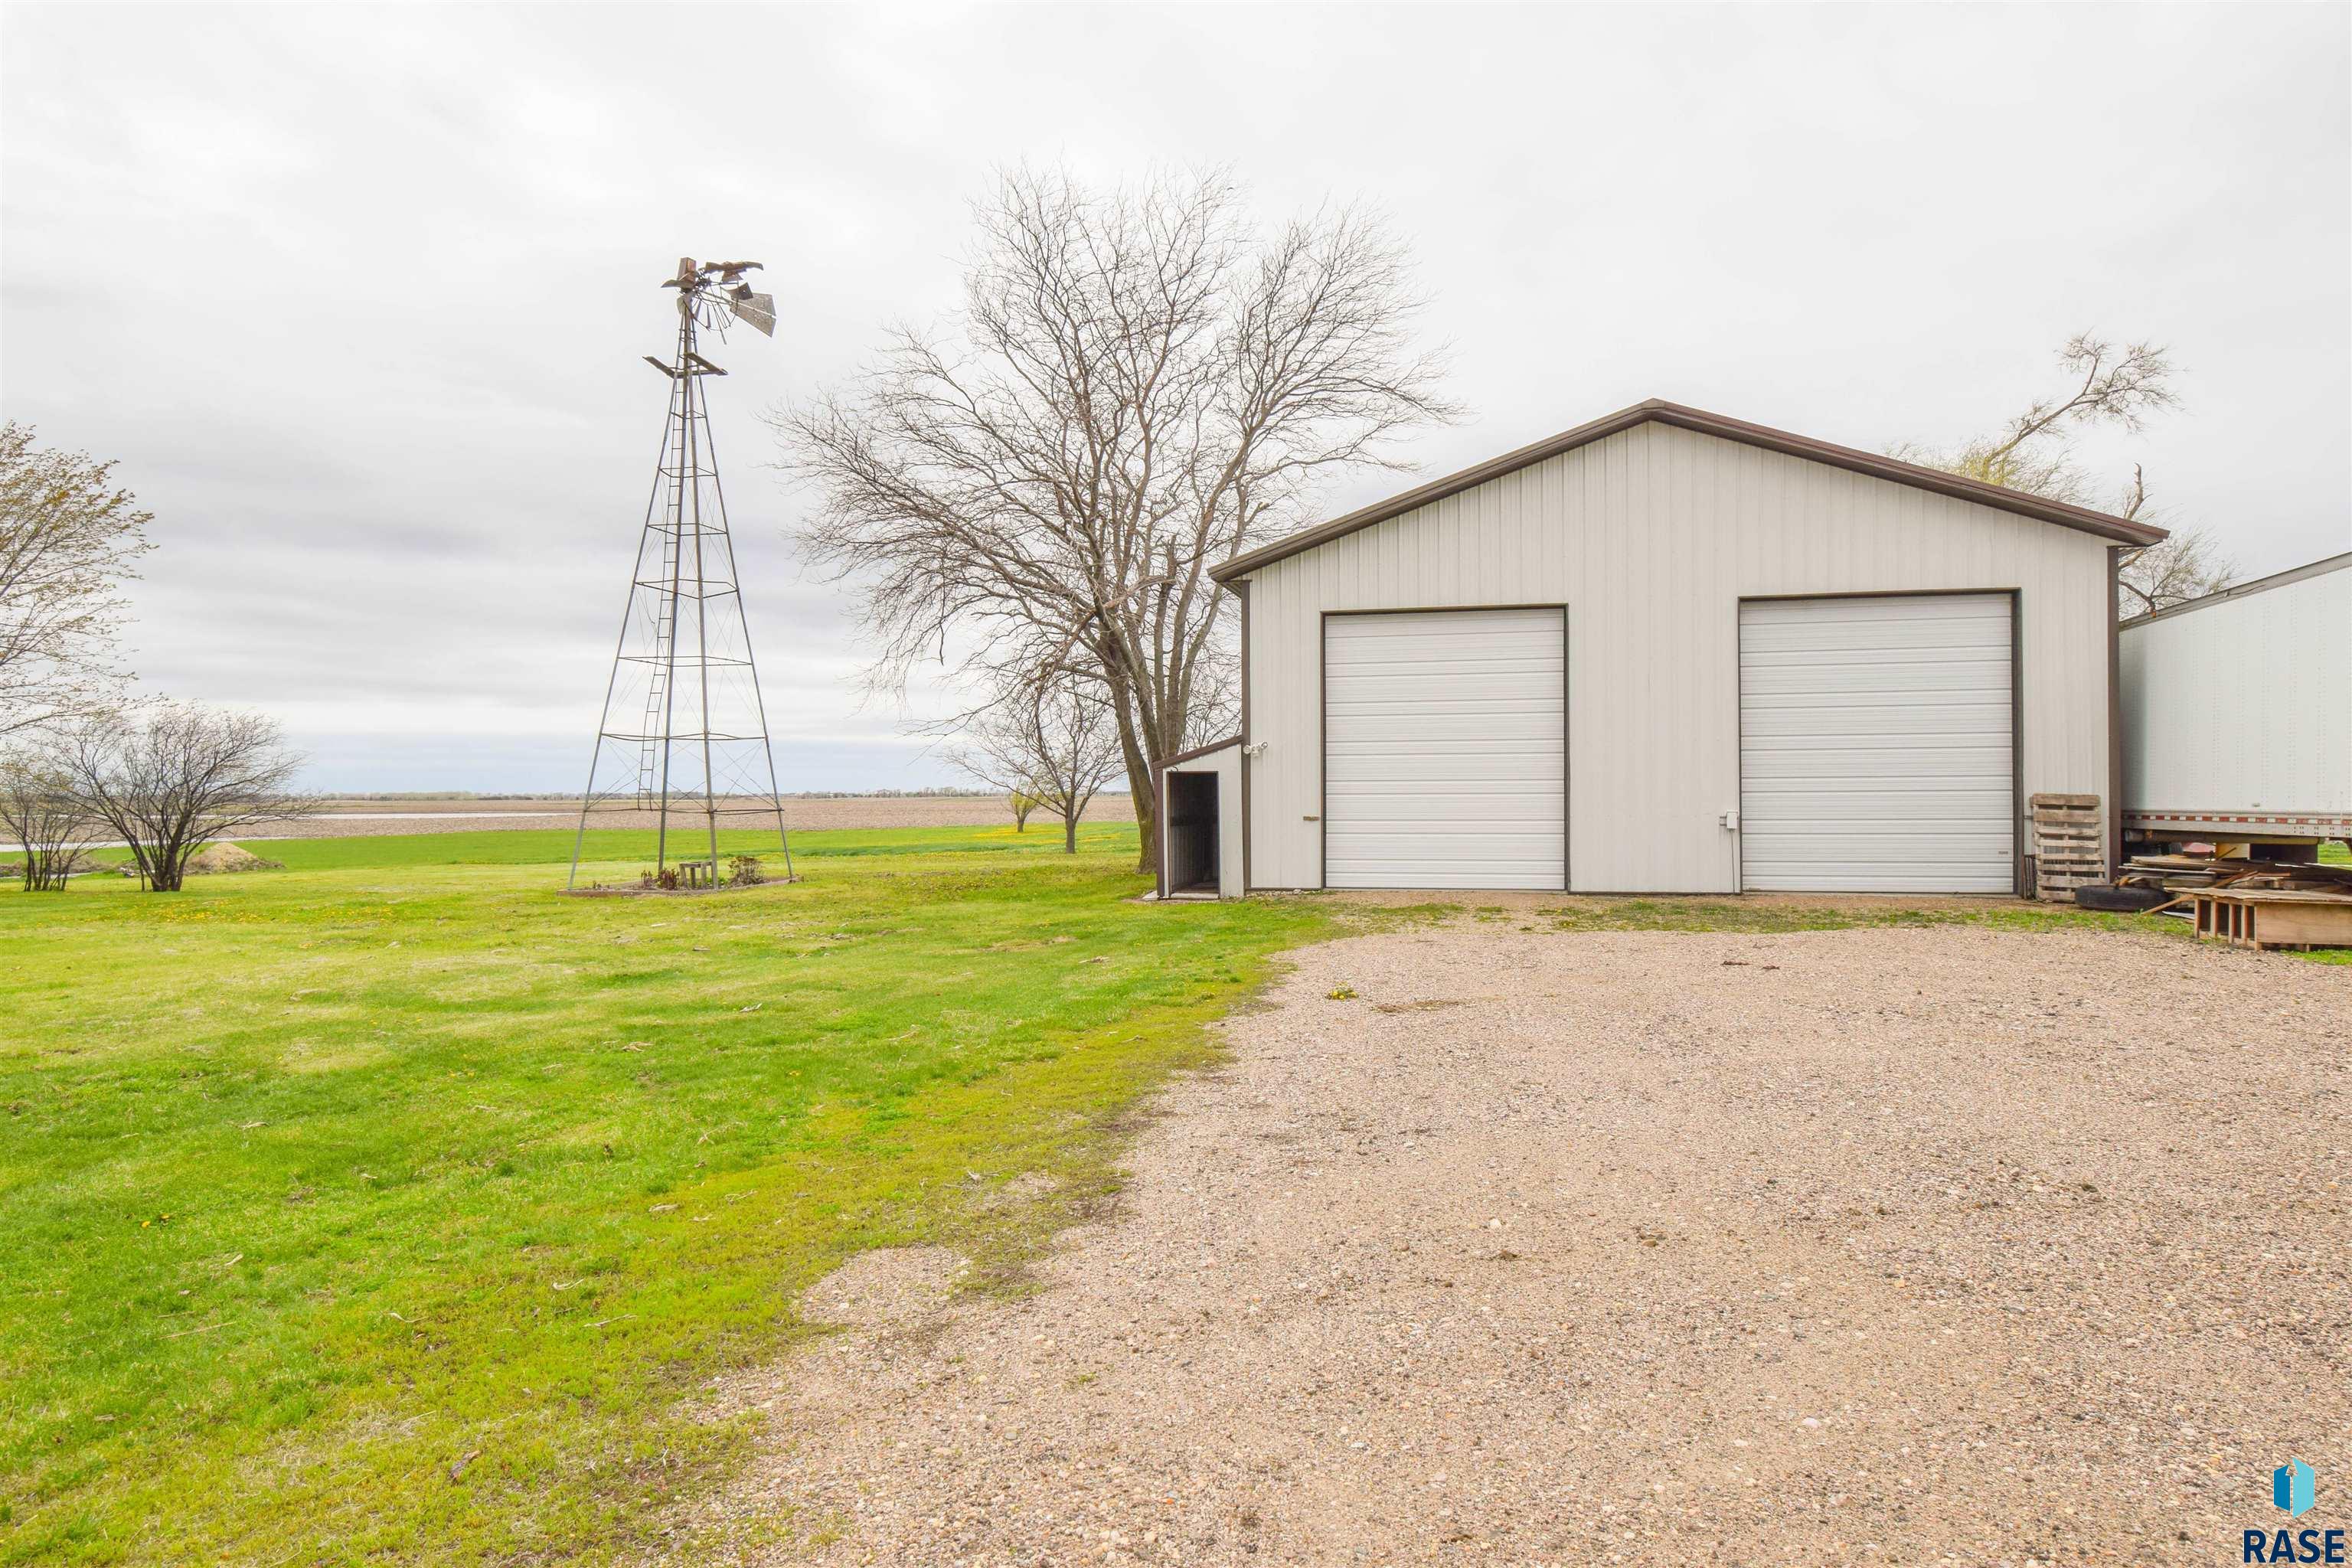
(1652, 537)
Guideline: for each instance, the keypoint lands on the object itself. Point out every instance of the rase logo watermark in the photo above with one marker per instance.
(2294, 1490)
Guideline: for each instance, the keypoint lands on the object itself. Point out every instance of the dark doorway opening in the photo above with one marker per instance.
(1192, 834)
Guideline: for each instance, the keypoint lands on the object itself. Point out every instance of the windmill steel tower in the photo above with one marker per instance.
(683, 733)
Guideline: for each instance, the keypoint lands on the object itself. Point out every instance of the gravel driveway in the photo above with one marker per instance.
(1871, 1246)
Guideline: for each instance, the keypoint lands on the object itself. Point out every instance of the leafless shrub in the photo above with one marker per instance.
(38, 809)
(175, 777)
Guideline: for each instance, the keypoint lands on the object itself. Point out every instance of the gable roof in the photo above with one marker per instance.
(2123, 531)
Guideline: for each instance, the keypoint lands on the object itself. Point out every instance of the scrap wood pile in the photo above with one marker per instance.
(2198, 886)
(2187, 873)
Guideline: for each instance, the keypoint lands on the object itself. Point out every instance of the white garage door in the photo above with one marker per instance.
(1445, 750)
(1875, 745)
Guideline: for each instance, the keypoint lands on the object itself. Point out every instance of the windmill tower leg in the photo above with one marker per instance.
(767, 746)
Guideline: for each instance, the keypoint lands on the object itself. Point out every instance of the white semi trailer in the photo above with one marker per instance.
(2237, 716)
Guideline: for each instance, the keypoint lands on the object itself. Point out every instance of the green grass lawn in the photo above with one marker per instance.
(396, 1208)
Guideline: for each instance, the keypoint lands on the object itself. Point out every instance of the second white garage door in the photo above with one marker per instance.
(1445, 749)
(1875, 751)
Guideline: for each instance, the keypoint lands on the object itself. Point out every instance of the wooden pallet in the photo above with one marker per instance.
(2273, 917)
(2069, 844)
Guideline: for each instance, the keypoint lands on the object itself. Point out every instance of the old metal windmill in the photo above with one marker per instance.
(683, 733)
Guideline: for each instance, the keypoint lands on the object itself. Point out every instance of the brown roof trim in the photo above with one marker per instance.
(1200, 751)
(2121, 530)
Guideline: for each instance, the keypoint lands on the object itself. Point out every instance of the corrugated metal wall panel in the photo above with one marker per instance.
(1652, 537)
(2245, 705)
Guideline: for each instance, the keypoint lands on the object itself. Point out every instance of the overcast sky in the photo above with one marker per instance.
(357, 296)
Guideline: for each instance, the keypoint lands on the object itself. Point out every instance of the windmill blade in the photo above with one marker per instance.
(754, 310)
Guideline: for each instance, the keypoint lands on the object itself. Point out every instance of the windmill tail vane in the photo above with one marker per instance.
(684, 735)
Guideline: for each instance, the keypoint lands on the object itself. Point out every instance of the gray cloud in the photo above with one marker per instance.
(357, 295)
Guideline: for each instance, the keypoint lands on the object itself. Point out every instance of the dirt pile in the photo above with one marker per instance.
(215, 857)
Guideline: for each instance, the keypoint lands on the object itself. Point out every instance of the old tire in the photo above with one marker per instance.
(2120, 901)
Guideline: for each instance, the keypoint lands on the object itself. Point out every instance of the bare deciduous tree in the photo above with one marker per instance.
(176, 777)
(2034, 452)
(1138, 385)
(38, 809)
(1053, 742)
(67, 540)
(2183, 566)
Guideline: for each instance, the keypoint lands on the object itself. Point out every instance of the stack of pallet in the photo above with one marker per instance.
(2068, 850)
